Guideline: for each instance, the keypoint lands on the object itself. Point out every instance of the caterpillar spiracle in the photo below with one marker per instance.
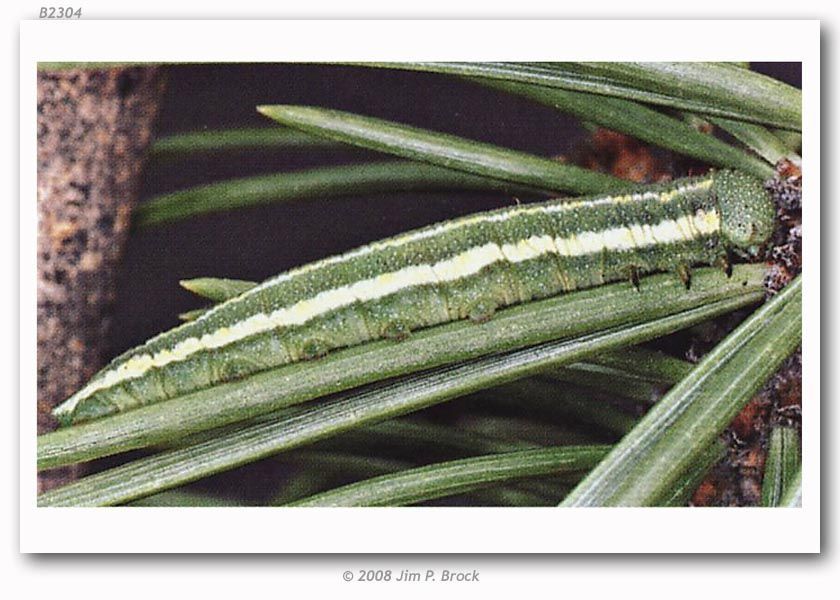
(463, 268)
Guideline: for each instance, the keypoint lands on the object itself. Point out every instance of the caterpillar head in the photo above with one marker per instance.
(747, 214)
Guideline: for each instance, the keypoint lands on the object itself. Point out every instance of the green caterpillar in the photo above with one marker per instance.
(464, 268)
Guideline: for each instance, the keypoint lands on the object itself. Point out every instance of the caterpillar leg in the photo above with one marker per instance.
(482, 310)
(104, 404)
(634, 276)
(387, 320)
(724, 263)
(314, 348)
(685, 275)
(396, 330)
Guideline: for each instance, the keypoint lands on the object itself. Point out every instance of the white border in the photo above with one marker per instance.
(419, 530)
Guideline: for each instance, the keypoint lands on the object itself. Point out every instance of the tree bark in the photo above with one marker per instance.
(94, 127)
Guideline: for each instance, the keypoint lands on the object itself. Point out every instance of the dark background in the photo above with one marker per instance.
(257, 243)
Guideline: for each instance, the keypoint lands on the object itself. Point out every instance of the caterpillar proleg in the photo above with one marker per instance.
(464, 268)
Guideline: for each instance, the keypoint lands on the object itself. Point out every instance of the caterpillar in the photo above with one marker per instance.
(464, 268)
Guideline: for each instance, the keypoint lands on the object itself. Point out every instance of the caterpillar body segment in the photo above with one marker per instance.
(464, 268)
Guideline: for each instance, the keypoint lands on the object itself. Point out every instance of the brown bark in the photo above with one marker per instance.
(93, 130)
